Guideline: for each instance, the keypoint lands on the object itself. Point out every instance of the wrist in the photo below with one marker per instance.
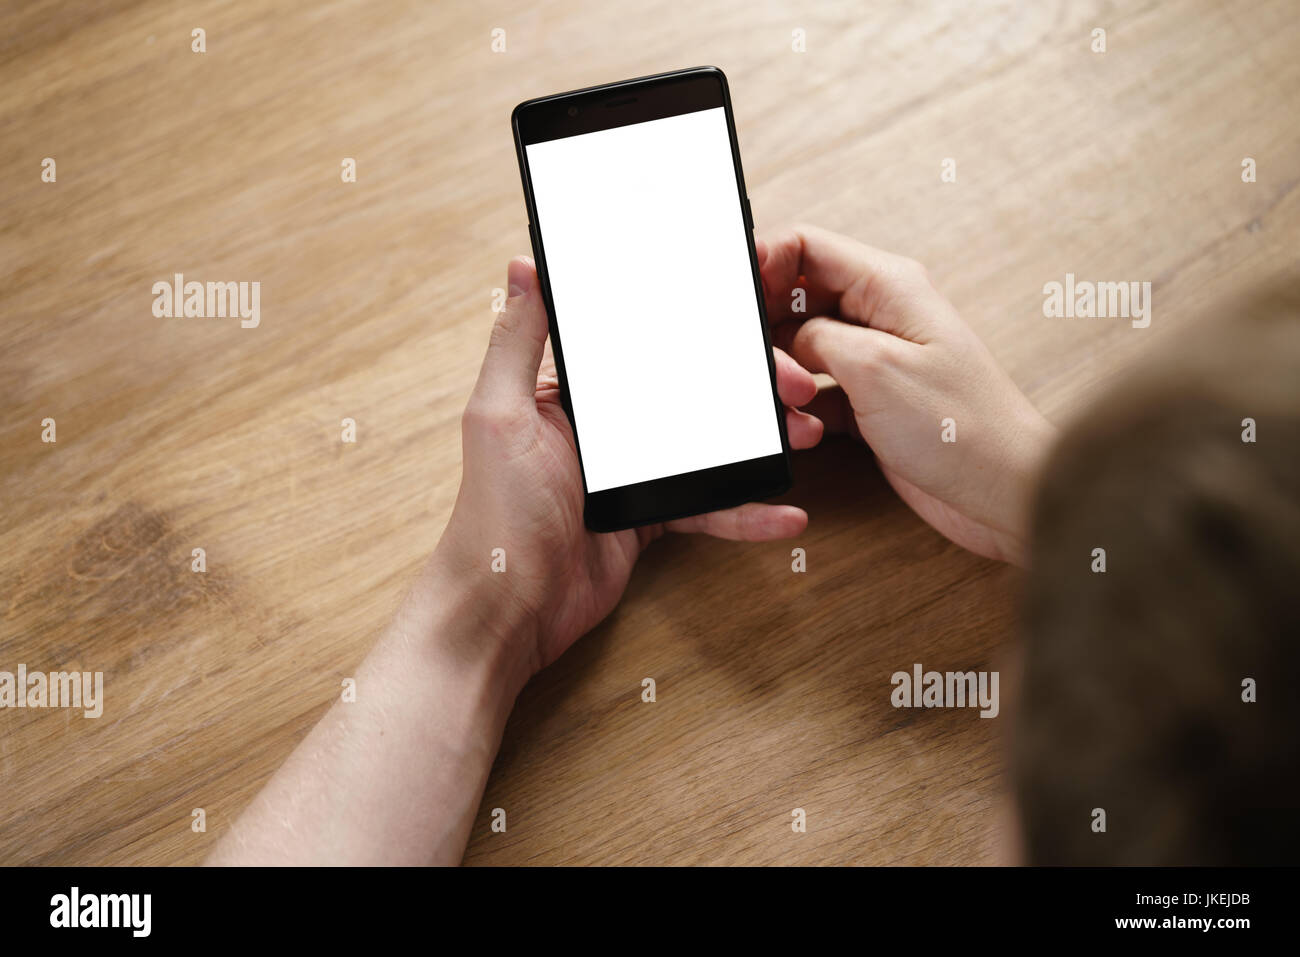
(1034, 439)
(462, 621)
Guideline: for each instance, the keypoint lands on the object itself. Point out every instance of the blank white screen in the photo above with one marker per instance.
(654, 298)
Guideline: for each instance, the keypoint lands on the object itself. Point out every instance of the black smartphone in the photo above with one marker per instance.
(644, 244)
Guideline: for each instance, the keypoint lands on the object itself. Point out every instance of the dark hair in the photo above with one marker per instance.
(1131, 694)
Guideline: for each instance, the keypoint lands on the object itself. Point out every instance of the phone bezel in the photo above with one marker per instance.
(609, 106)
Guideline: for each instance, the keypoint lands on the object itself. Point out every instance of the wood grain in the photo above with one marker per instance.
(183, 433)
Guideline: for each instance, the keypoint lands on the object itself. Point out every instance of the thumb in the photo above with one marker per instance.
(840, 349)
(518, 338)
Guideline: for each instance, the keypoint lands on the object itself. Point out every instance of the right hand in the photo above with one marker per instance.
(904, 361)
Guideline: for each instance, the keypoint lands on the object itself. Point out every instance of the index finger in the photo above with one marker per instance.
(781, 266)
(841, 277)
(752, 522)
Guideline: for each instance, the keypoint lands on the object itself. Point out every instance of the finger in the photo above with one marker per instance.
(840, 349)
(783, 334)
(832, 408)
(645, 534)
(782, 271)
(804, 430)
(754, 522)
(794, 384)
(518, 338)
(843, 276)
(547, 368)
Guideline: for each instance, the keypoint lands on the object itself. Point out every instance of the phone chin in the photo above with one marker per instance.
(693, 493)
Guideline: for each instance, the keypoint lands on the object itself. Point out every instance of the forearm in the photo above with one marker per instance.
(396, 776)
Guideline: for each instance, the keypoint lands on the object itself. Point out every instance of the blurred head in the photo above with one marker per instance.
(1131, 693)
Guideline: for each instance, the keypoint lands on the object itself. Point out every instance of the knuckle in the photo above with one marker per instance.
(886, 355)
(915, 271)
(480, 416)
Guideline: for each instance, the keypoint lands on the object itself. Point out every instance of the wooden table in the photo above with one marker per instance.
(176, 434)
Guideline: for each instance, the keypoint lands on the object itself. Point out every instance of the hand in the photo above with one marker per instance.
(905, 361)
(521, 491)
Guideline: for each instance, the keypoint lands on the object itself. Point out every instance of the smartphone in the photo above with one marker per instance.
(643, 239)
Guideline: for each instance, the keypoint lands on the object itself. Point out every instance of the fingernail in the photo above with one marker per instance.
(519, 277)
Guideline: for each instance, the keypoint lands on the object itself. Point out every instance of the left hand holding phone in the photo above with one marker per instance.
(518, 518)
